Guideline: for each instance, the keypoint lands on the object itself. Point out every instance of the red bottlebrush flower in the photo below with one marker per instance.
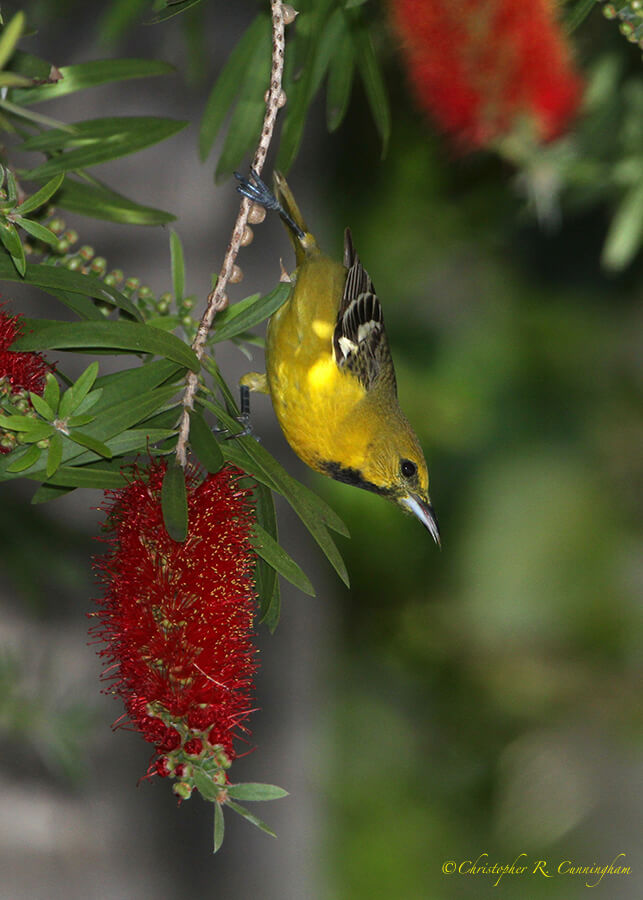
(20, 371)
(176, 619)
(477, 66)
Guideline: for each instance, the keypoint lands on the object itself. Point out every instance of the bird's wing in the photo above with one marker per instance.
(359, 341)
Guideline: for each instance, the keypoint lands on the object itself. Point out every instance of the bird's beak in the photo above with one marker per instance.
(424, 512)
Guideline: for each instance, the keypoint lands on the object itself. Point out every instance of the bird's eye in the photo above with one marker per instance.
(408, 468)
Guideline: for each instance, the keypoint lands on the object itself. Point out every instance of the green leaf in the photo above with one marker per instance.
(38, 231)
(91, 74)
(47, 492)
(10, 36)
(54, 279)
(88, 402)
(371, 75)
(83, 385)
(270, 617)
(55, 454)
(172, 9)
(174, 503)
(26, 460)
(274, 554)
(42, 407)
(265, 575)
(11, 240)
(255, 791)
(117, 336)
(29, 65)
(38, 432)
(177, 266)
(10, 80)
(80, 420)
(66, 403)
(247, 119)
(625, 232)
(228, 84)
(578, 14)
(249, 312)
(204, 443)
(129, 441)
(136, 382)
(98, 141)
(86, 477)
(40, 197)
(242, 811)
(205, 785)
(19, 423)
(86, 440)
(51, 394)
(100, 202)
(12, 187)
(340, 82)
(219, 827)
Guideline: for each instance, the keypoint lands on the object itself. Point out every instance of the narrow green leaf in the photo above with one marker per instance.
(38, 231)
(66, 403)
(98, 141)
(371, 75)
(54, 279)
(83, 476)
(12, 188)
(265, 575)
(174, 503)
(578, 14)
(270, 617)
(83, 385)
(625, 232)
(12, 80)
(39, 432)
(255, 791)
(55, 454)
(25, 461)
(47, 492)
(11, 240)
(177, 266)
(245, 315)
(129, 442)
(204, 784)
(89, 402)
(51, 394)
(274, 554)
(219, 827)
(80, 420)
(29, 65)
(100, 202)
(19, 423)
(86, 440)
(254, 820)
(91, 74)
(247, 119)
(204, 443)
(172, 9)
(10, 36)
(40, 197)
(118, 336)
(340, 82)
(228, 84)
(42, 407)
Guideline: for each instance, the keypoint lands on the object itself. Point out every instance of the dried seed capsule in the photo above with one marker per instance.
(257, 214)
(281, 102)
(289, 13)
(236, 275)
(248, 236)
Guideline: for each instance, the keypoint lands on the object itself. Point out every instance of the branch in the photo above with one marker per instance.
(217, 299)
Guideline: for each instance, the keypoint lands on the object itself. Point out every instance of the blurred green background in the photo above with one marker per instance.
(482, 699)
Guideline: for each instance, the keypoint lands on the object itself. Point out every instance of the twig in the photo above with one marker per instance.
(217, 299)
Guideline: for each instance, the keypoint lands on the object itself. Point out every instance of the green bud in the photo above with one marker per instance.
(187, 303)
(132, 284)
(7, 441)
(71, 235)
(166, 298)
(86, 252)
(163, 307)
(43, 444)
(182, 789)
(145, 292)
(98, 265)
(57, 226)
(73, 263)
(109, 280)
(62, 246)
(186, 321)
(117, 275)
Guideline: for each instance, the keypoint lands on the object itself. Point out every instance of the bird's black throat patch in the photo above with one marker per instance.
(352, 476)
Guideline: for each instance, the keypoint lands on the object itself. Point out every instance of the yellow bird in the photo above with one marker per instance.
(330, 374)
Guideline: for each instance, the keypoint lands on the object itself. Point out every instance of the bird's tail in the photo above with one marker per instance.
(283, 202)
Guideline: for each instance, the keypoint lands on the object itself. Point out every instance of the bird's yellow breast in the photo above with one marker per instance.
(319, 407)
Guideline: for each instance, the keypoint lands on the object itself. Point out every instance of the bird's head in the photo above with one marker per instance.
(394, 466)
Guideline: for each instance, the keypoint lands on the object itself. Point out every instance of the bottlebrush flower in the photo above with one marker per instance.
(20, 372)
(478, 66)
(176, 620)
